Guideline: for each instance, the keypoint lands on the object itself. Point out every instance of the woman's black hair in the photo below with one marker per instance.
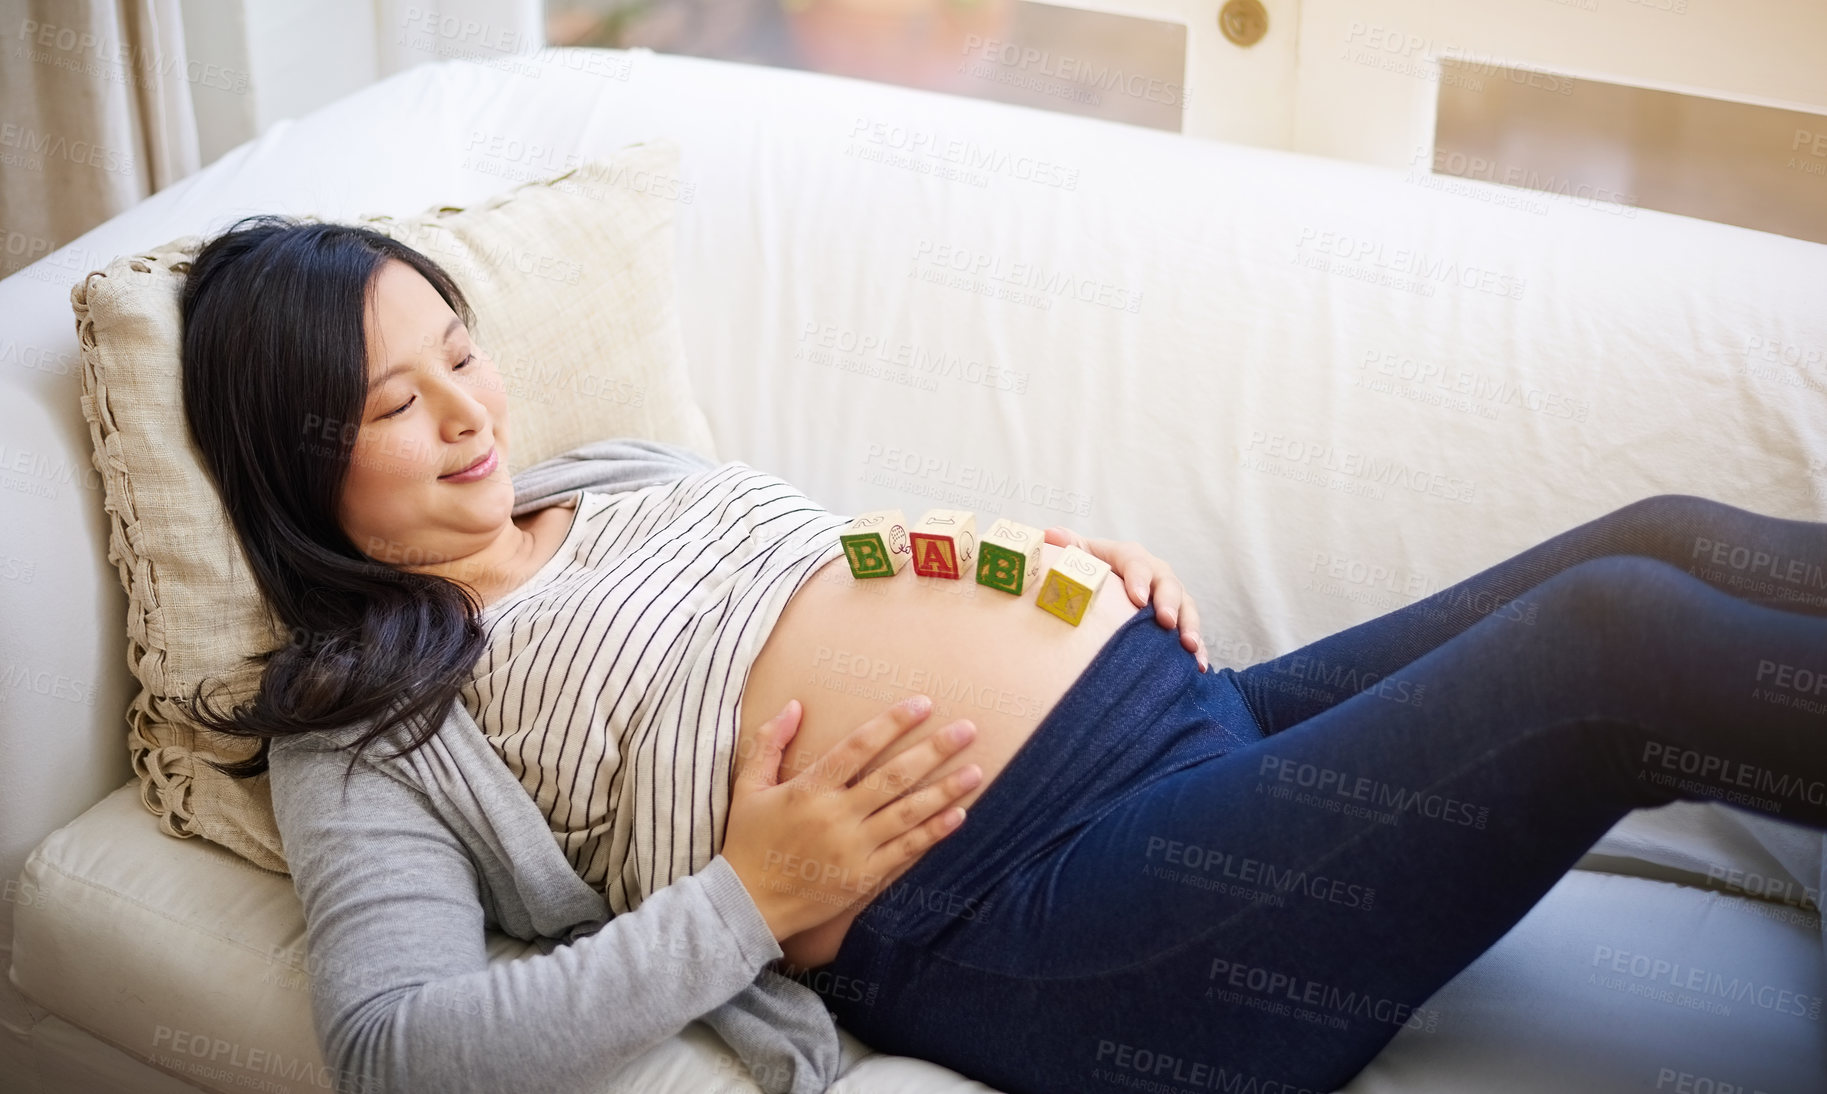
(275, 380)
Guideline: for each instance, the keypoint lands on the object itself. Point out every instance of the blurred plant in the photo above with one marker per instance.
(602, 24)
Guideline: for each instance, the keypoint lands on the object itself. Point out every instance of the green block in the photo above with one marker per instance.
(1000, 568)
(867, 554)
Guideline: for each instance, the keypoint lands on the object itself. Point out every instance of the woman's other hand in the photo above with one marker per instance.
(1144, 576)
(810, 847)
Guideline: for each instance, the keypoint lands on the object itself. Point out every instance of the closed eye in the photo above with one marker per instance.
(401, 409)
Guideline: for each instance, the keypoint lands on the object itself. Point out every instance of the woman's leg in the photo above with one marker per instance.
(1269, 918)
(1761, 559)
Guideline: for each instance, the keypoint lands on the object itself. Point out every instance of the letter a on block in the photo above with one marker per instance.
(944, 543)
(933, 557)
(1071, 583)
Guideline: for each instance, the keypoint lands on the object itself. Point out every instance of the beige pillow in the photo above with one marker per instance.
(571, 280)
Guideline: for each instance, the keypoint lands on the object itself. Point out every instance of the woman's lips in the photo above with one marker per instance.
(481, 469)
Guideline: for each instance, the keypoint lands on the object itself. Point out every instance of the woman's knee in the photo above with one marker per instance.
(1602, 593)
(1685, 515)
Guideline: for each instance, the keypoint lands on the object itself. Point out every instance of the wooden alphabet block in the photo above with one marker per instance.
(1071, 582)
(1011, 556)
(875, 543)
(944, 543)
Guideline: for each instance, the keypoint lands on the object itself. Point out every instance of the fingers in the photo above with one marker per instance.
(843, 760)
(905, 849)
(904, 772)
(1191, 638)
(762, 770)
(1173, 607)
(1138, 579)
(909, 811)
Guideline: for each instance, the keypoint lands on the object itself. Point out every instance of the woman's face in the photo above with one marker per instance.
(435, 406)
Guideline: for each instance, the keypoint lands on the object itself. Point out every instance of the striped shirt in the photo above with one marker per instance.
(612, 677)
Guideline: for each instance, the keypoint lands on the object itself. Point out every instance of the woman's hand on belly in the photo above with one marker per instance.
(1148, 580)
(810, 846)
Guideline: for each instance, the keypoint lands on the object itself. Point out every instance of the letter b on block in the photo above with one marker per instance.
(1011, 556)
(875, 543)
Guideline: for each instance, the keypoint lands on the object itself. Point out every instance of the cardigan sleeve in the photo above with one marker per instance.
(405, 1000)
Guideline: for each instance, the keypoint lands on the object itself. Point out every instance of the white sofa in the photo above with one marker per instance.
(1319, 389)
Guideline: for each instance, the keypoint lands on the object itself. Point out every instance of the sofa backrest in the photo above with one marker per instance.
(1318, 389)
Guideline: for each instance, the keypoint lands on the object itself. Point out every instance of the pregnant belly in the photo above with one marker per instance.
(848, 649)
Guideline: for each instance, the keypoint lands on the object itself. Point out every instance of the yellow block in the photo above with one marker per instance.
(1071, 582)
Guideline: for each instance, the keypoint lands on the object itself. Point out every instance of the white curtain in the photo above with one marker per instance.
(95, 114)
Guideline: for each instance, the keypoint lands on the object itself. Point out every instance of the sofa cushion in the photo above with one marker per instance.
(189, 958)
(571, 280)
(192, 960)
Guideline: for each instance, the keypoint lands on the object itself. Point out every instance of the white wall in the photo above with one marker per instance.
(283, 59)
(215, 35)
(305, 53)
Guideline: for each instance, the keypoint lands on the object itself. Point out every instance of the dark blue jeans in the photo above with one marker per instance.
(1253, 880)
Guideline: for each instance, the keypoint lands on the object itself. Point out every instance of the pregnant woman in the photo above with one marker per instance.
(1170, 875)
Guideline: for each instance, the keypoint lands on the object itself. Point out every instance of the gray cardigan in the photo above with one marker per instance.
(401, 870)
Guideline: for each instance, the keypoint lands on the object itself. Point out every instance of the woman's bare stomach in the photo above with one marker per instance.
(848, 649)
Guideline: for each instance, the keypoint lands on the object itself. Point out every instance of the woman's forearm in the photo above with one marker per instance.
(403, 993)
